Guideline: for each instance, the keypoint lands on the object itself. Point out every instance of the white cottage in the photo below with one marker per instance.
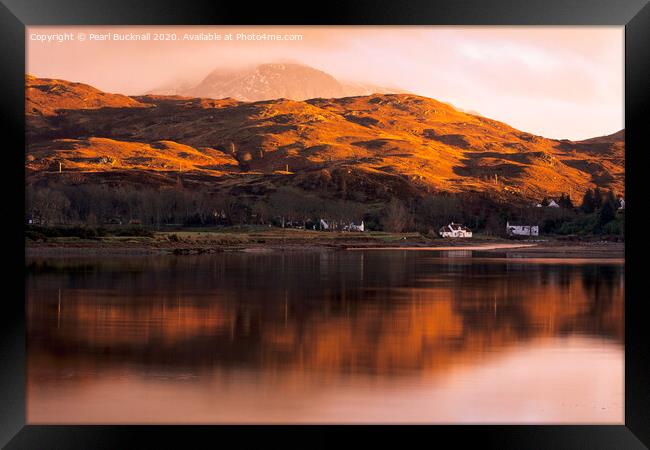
(455, 230)
(522, 230)
(553, 204)
(355, 227)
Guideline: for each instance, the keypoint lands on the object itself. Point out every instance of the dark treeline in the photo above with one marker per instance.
(96, 205)
(484, 214)
(99, 204)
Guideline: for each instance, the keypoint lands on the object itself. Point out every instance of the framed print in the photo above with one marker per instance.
(259, 222)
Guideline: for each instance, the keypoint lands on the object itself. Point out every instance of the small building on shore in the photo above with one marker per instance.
(521, 230)
(355, 227)
(335, 225)
(547, 204)
(455, 230)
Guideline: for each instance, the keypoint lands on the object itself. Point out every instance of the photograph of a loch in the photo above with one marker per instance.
(325, 225)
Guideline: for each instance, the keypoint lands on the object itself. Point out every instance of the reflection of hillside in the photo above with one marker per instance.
(330, 312)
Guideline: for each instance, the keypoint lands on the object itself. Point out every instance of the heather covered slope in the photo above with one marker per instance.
(46, 96)
(96, 154)
(378, 146)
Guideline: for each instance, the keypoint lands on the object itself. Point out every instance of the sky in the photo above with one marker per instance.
(558, 82)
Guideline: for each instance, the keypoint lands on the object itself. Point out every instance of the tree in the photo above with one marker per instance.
(588, 205)
(598, 198)
(565, 202)
(610, 198)
(606, 214)
(494, 225)
(324, 178)
(261, 211)
(244, 159)
(49, 205)
(396, 218)
(283, 204)
(435, 210)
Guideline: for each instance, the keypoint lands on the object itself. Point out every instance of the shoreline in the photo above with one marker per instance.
(444, 248)
(196, 242)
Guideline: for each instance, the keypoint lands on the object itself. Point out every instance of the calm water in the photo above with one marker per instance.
(361, 337)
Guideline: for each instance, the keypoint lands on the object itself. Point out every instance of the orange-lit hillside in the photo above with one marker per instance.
(398, 143)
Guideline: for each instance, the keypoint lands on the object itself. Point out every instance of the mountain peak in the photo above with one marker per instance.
(269, 81)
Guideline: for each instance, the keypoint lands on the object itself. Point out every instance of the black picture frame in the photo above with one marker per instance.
(16, 14)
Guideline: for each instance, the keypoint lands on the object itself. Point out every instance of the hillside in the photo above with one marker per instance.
(45, 96)
(373, 147)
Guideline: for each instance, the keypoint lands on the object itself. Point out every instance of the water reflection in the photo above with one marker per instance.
(306, 321)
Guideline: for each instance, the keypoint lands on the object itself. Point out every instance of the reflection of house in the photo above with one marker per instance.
(324, 225)
(621, 204)
(522, 230)
(455, 230)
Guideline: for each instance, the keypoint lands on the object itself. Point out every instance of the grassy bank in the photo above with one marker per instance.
(216, 239)
(73, 240)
